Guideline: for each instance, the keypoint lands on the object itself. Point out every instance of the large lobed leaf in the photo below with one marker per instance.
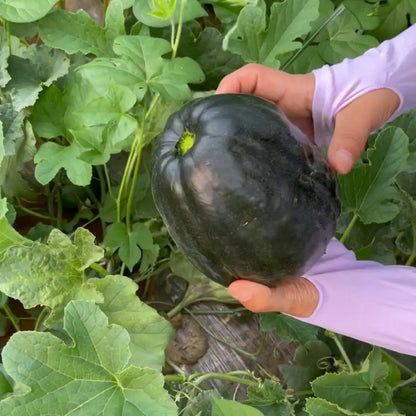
(51, 274)
(256, 41)
(368, 189)
(149, 332)
(365, 391)
(77, 32)
(23, 11)
(90, 376)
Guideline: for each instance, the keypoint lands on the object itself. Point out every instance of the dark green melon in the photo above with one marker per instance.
(240, 196)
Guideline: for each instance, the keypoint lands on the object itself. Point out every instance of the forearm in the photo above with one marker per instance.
(365, 300)
(390, 65)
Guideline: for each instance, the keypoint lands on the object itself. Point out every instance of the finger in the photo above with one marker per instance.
(255, 79)
(355, 122)
(297, 296)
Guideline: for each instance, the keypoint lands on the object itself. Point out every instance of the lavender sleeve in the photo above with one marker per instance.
(392, 64)
(363, 299)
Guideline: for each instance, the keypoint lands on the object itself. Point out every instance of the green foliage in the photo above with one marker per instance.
(23, 11)
(257, 42)
(149, 333)
(222, 407)
(368, 189)
(290, 329)
(81, 102)
(55, 271)
(93, 370)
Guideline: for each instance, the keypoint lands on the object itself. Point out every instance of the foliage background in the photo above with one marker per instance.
(83, 97)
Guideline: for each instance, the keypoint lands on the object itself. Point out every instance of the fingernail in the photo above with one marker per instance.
(241, 295)
(345, 160)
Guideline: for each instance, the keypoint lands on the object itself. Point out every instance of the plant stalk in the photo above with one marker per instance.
(103, 272)
(341, 348)
(13, 319)
(349, 228)
(404, 383)
(309, 40)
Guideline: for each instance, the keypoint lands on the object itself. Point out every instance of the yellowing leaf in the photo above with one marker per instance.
(51, 274)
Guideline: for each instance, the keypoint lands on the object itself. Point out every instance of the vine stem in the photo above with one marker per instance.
(341, 348)
(138, 152)
(198, 378)
(410, 260)
(43, 313)
(35, 214)
(349, 228)
(226, 377)
(175, 44)
(13, 319)
(125, 180)
(99, 269)
(108, 180)
(318, 30)
(405, 383)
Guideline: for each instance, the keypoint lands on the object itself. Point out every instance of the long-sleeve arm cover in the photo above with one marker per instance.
(391, 65)
(362, 299)
(365, 299)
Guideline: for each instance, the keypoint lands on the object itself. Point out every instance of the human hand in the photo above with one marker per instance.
(294, 95)
(295, 296)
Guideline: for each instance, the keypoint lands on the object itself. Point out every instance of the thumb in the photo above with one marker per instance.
(355, 122)
(295, 296)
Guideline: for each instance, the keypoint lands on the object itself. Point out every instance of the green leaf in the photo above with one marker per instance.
(77, 32)
(5, 383)
(269, 398)
(9, 237)
(129, 243)
(116, 136)
(114, 19)
(344, 39)
(1, 142)
(51, 274)
(47, 115)
(310, 361)
(168, 77)
(222, 407)
(406, 238)
(363, 391)
(407, 122)
(4, 55)
(20, 146)
(365, 12)
(12, 127)
(23, 11)
(289, 21)
(321, 407)
(199, 286)
(141, 66)
(149, 332)
(368, 189)
(143, 9)
(38, 66)
(206, 49)
(52, 157)
(289, 329)
(90, 376)
(394, 16)
(163, 9)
